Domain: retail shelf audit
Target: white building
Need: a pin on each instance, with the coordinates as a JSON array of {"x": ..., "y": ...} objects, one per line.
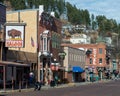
[
  {"x": 80, "y": 38},
  {"x": 74, "y": 63}
]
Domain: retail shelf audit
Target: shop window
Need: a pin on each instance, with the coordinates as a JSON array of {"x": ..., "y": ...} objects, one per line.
[{"x": 45, "y": 44}]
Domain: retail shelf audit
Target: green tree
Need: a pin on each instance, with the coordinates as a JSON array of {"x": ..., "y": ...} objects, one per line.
[
  {"x": 93, "y": 22},
  {"x": 87, "y": 17},
  {"x": 75, "y": 15},
  {"x": 101, "y": 24}
]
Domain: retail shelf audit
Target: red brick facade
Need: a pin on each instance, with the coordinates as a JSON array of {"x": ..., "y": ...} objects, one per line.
[
  {"x": 97, "y": 58},
  {"x": 49, "y": 41}
]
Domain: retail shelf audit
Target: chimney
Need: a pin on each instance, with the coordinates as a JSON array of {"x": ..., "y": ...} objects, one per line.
[{"x": 41, "y": 9}]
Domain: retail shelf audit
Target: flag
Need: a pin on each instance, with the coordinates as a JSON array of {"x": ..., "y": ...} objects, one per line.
[{"x": 32, "y": 42}]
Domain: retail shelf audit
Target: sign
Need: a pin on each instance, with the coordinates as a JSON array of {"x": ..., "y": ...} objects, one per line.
[
  {"x": 62, "y": 53},
  {"x": 14, "y": 35}
]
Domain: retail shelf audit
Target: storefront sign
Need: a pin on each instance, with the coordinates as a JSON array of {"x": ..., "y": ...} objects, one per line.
[{"x": 15, "y": 35}]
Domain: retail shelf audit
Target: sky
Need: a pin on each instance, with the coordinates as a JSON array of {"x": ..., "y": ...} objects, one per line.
[{"x": 108, "y": 8}]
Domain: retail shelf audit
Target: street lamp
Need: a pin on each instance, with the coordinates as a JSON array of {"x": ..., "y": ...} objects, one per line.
[{"x": 87, "y": 73}]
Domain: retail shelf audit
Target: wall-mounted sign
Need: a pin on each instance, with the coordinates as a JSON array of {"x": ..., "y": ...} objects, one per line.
[
  {"x": 15, "y": 35},
  {"x": 62, "y": 55}
]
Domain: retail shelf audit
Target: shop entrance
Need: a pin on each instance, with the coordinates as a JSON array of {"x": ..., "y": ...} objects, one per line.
[{"x": 77, "y": 77}]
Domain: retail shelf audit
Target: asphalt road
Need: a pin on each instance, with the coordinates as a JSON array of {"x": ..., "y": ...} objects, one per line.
[{"x": 111, "y": 88}]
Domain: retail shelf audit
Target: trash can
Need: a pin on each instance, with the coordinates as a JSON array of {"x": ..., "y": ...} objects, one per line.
[{"x": 52, "y": 83}]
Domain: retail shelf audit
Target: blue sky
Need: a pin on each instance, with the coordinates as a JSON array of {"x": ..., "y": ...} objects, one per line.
[{"x": 109, "y": 8}]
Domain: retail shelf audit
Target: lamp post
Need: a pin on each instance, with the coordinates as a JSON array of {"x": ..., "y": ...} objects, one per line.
[
  {"x": 62, "y": 55},
  {"x": 41, "y": 70},
  {"x": 87, "y": 74}
]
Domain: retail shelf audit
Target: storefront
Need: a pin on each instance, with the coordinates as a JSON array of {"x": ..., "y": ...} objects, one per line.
[
  {"x": 12, "y": 74},
  {"x": 77, "y": 74}
]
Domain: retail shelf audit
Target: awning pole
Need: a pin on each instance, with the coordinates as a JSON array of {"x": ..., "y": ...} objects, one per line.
[
  {"x": 4, "y": 80},
  {"x": 12, "y": 79}
]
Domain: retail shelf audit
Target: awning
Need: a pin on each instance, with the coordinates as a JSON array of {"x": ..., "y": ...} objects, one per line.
[
  {"x": 7, "y": 63},
  {"x": 77, "y": 69}
]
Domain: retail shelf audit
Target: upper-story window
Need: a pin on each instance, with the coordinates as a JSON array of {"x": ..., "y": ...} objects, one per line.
[
  {"x": 91, "y": 49},
  {"x": 56, "y": 40},
  {"x": 44, "y": 44},
  {"x": 100, "y": 51},
  {"x": 91, "y": 60}
]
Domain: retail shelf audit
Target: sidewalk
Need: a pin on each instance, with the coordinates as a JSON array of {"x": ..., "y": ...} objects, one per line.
[{"x": 59, "y": 86}]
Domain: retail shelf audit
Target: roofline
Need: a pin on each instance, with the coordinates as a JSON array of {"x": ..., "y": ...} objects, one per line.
[
  {"x": 2, "y": 4},
  {"x": 15, "y": 11}
]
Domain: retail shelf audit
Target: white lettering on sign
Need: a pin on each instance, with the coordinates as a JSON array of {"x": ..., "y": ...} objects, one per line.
[
  {"x": 16, "y": 43},
  {"x": 94, "y": 56}
]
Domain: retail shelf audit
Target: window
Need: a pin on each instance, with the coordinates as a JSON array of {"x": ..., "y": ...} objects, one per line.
[
  {"x": 91, "y": 60},
  {"x": 44, "y": 44},
  {"x": 100, "y": 60},
  {"x": 100, "y": 50}
]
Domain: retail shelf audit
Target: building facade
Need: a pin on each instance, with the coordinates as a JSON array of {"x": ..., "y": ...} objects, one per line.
[
  {"x": 21, "y": 43},
  {"x": 9, "y": 70},
  {"x": 41, "y": 42},
  {"x": 49, "y": 39},
  {"x": 80, "y": 39},
  {"x": 74, "y": 64},
  {"x": 96, "y": 57},
  {"x": 2, "y": 22}
]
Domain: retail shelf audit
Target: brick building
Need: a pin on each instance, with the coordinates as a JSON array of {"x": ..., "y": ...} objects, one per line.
[
  {"x": 49, "y": 39},
  {"x": 95, "y": 55}
]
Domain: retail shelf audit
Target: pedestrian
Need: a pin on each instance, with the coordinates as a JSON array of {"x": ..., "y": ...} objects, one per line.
[
  {"x": 31, "y": 78},
  {"x": 56, "y": 80},
  {"x": 38, "y": 86},
  {"x": 116, "y": 74},
  {"x": 52, "y": 83}
]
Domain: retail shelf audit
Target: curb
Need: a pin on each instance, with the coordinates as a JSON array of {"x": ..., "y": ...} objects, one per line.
[{"x": 59, "y": 86}]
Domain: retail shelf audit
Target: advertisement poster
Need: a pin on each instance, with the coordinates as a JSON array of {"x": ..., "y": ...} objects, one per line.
[{"x": 14, "y": 36}]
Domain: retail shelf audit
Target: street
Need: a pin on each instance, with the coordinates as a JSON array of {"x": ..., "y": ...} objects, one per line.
[{"x": 96, "y": 89}]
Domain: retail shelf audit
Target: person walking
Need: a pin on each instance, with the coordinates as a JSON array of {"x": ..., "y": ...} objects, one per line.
[
  {"x": 116, "y": 75},
  {"x": 38, "y": 86}
]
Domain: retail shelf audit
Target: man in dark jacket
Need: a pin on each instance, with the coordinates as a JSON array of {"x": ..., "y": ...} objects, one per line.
[{"x": 38, "y": 86}]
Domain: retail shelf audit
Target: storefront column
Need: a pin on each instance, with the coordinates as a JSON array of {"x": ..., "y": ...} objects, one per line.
[
  {"x": 46, "y": 74},
  {"x": 12, "y": 77},
  {"x": 39, "y": 67},
  {"x": 4, "y": 77}
]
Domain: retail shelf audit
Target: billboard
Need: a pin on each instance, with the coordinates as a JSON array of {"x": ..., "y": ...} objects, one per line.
[{"x": 14, "y": 35}]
